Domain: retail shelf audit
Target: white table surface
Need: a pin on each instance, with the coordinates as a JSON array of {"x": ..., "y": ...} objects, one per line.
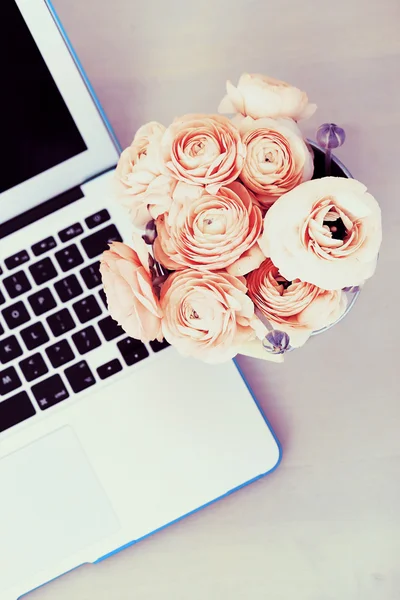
[{"x": 326, "y": 524}]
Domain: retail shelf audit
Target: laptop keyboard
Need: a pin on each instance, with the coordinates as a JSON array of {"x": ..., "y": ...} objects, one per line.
[{"x": 53, "y": 316}]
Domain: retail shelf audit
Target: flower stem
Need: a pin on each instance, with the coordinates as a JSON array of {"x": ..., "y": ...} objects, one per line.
[
  {"x": 263, "y": 319},
  {"x": 328, "y": 157}
]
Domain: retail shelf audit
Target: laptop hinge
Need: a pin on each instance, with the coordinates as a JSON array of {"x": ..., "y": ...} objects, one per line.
[{"x": 42, "y": 210}]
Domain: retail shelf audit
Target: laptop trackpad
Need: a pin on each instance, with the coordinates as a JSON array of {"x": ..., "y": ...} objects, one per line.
[{"x": 54, "y": 508}]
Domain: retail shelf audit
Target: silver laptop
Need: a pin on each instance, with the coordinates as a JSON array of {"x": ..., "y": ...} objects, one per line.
[{"x": 103, "y": 440}]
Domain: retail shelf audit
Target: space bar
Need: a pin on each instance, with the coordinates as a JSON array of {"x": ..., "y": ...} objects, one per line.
[{"x": 14, "y": 410}]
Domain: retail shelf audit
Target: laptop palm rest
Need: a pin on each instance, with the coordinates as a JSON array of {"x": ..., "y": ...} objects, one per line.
[{"x": 55, "y": 484}]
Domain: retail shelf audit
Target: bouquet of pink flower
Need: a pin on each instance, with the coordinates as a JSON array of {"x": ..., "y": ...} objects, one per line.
[{"x": 242, "y": 251}]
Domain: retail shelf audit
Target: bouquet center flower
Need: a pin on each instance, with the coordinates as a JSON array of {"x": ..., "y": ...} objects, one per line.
[
  {"x": 329, "y": 231},
  {"x": 283, "y": 283},
  {"x": 213, "y": 222}
]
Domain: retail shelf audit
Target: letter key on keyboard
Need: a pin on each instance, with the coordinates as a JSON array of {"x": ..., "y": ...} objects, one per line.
[
  {"x": 42, "y": 301},
  {"x": 9, "y": 381},
  {"x": 15, "y": 315},
  {"x": 35, "y": 335},
  {"x": 9, "y": 349}
]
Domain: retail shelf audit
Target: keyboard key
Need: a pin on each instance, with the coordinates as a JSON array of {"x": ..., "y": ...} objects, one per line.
[
  {"x": 43, "y": 271},
  {"x": 15, "y": 410},
  {"x": 70, "y": 232},
  {"x": 15, "y": 315},
  {"x": 156, "y": 346},
  {"x": 103, "y": 297},
  {"x": 9, "y": 381},
  {"x": 44, "y": 246},
  {"x": 98, "y": 218},
  {"x": 110, "y": 368},
  {"x": 9, "y": 349},
  {"x": 91, "y": 275},
  {"x": 2, "y": 299},
  {"x": 17, "y": 284},
  {"x": 33, "y": 367},
  {"x": 1, "y": 329},
  {"x": 87, "y": 309},
  {"x": 60, "y": 353},
  {"x": 96, "y": 243},
  {"x": 132, "y": 350},
  {"x": 110, "y": 328},
  {"x": 49, "y": 392},
  {"x": 69, "y": 257},
  {"x": 68, "y": 288},
  {"x": 86, "y": 340},
  {"x": 35, "y": 335},
  {"x": 80, "y": 377},
  {"x": 60, "y": 322},
  {"x": 41, "y": 302},
  {"x": 14, "y": 261}
]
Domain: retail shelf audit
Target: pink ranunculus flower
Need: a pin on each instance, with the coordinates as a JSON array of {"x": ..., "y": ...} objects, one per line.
[
  {"x": 258, "y": 96},
  {"x": 207, "y": 315},
  {"x": 295, "y": 307},
  {"x": 326, "y": 232},
  {"x": 131, "y": 299},
  {"x": 277, "y": 157},
  {"x": 216, "y": 231},
  {"x": 140, "y": 185},
  {"x": 203, "y": 150}
]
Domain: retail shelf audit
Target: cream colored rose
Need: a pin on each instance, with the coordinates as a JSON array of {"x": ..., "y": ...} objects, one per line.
[
  {"x": 259, "y": 96},
  {"x": 325, "y": 231},
  {"x": 277, "y": 158},
  {"x": 295, "y": 307},
  {"x": 202, "y": 150},
  {"x": 211, "y": 233},
  {"x": 140, "y": 185},
  {"x": 146, "y": 135},
  {"x": 131, "y": 299},
  {"x": 207, "y": 315}
]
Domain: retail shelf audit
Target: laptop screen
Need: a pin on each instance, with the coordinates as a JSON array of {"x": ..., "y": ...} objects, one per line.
[{"x": 37, "y": 131}]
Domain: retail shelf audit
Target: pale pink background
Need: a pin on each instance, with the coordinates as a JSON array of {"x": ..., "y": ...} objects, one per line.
[{"x": 326, "y": 525}]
